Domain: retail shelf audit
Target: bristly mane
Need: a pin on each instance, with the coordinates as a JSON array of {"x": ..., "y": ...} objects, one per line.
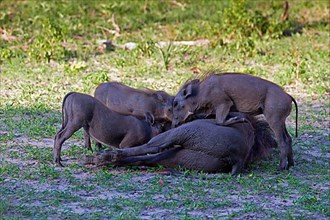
[
  {"x": 203, "y": 75},
  {"x": 210, "y": 72},
  {"x": 264, "y": 139},
  {"x": 148, "y": 91},
  {"x": 194, "y": 81}
]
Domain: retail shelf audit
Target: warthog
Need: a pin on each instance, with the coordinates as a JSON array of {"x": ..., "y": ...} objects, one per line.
[
  {"x": 200, "y": 145},
  {"x": 129, "y": 101},
  {"x": 101, "y": 123},
  {"x": 221, "y": 93}
]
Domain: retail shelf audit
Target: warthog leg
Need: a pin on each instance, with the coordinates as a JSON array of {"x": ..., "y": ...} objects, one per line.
[
  {"x": 237, "y": 167},
  {"x": 88, "y": 160},
  {"x": 221, "y": 112},
  {"x": 87, "y": 141},
  {"x": 64, "y": 134},
  {"x": 276, "y": 119},
  {"x": 234, "y": 120},
  {"x": 157, "y": 144},
  {"x": 88, "y": 144},
  {"x": 101, "y": 158}
]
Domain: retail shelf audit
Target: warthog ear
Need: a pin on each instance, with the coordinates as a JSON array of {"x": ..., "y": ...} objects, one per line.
[
  {"x": 149, "y": 118},
  {"x": 187, "y": 91}
]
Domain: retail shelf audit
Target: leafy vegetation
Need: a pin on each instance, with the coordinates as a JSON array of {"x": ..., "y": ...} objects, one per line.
[{"x": 49, "y": 48}]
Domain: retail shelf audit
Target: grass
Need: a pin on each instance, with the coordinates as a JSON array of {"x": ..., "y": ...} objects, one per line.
[{"x": 49, "y": 48}]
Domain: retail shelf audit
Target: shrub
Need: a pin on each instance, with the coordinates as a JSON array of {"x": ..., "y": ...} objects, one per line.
[
  {"x": 48, "y": 43},
  {"x": 242, "y": 25}
]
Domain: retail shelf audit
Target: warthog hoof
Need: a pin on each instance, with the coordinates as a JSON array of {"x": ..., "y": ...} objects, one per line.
[
  {"x": 284, "y": 165},
  {"x": 101, "y": 158},
  {"x": 58, "y": 162},
  {"x": 88, "y": 160}
]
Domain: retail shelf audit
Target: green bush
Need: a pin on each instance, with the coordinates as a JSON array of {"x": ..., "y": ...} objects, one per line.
[
  {"x": 48, "y": 43},
  {"x": 242, "y": 26}
]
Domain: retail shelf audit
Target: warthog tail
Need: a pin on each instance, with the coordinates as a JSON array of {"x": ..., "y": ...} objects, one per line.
[
  {"x": 64, "y": 119},
  {"x": 296, "y": 105}
]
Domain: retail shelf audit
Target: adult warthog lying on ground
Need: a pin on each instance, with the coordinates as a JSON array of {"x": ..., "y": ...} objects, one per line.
[
  {"x": 101, "y": 123},
  {"x": 200, "y": 145},
  {"x": 221, "y": 93},
  {"x": 129, "y": 101}
]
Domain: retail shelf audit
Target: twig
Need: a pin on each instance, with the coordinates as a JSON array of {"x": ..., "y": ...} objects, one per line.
[
  {"x": 117, "y": 28},
  {"x": 108, "y": 30},
  {"x": 116, "y": 32},
  {"x": 285, "y": 15},
  {"x": 145, "y": 6}
]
